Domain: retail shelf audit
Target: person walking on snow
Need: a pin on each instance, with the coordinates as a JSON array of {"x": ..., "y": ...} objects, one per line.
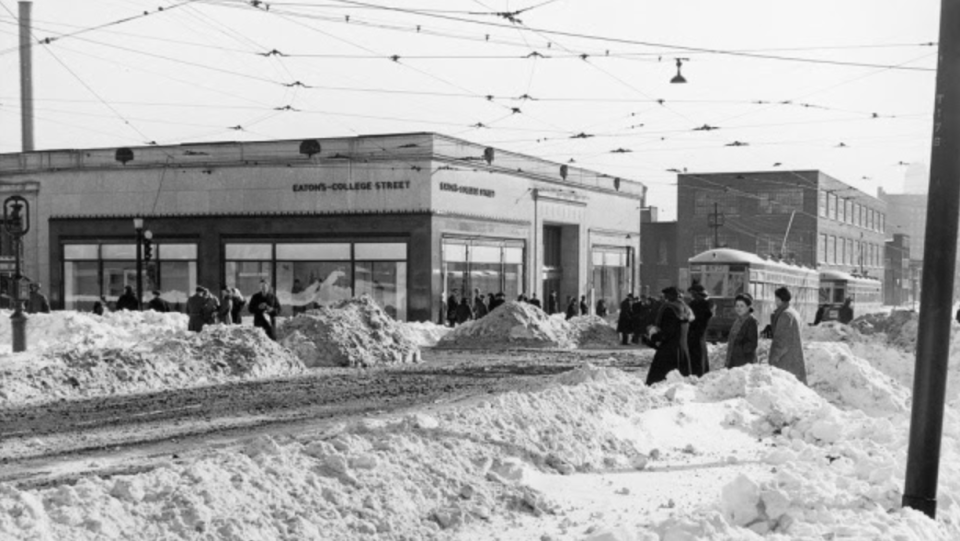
[
  {"x": 669, "y": 336},
  {"x": 265, "y": 307},
  {"x": 786, "y": 349},
  {"x": 702, "y": 309}
]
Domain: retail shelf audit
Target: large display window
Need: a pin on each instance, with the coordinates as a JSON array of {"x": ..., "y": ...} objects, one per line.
[
  {"x": 490, "y": 265},
  {"x": 309, "y": 275},
  {"x": 92, "y": 271},
  {"x": 611, "y": 274}
]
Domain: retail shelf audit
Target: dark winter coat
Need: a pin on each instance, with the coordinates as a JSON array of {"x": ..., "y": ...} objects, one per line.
[
  {"x": 237, "y": 308},
  {"x": 38, "y": 303},
  {"x": 452, "y": 309},
  {"x": 158, "y": 305},
  {"x": 584, "y": 309},
  {"x": 195, "y": 309},
  {"x": 697, "y": 336},
  {"x": 601, "y": 308},
  {"x": 671, "y": 343},
  {"x": 742, "y": 343},
  {"x": 639, "y": 317},
  {"x": 572, "y": 309},
  {"x": 479, "y": 307},
  {"x": 625, "y": 319},
  {"x": 128, "y": 301},
  {"x": 846, "y": 314},
  {"x": 553, "y": 304},
  {"x": 464, "y": 313},
  {"x": 265, "y": 317}
]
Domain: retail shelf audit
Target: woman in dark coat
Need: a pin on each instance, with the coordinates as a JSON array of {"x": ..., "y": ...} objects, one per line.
[
  {"x": 464, "y": 312},
  {"x": 702, "y": 309},
  {"x": 744, "y": 334},
  {"x": 572, "y": 308},
  {"x": 625, "y": 319},
  {"x": 670, "y": 338},
  {"x": 602, "y": 308}
]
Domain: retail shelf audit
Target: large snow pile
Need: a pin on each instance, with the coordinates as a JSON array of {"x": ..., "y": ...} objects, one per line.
[
  {"x": 424, "y": 334},
  {"x": 899, "y": 327},
  {"x": 510, "y": 325},
  {"x": 352, "y": 332},
  {"x": 97, "y": 358},
  {"x": 780, "y": 461},
  {"x": 851, "y": 382},
  {"x": 593, "y": 332},
  {"x": 832, "y": 331},
  {"x": 86, "y": 329}
]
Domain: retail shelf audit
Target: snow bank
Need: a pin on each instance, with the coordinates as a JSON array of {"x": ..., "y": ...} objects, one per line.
[
  {"x": 424, "y": 334},
  {"x": 517, "y": 324},
  {"x": 352, "y": 332},
  {"x": 102, "y": 362}
]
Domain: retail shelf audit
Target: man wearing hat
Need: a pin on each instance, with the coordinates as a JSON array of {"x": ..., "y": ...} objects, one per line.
[
  {"x": 157, "y": 304},
  {"x": 37, "y": 303},
  {"x": 702, "y": 308},
  {"x": 195, "y": 309},
  {"x": 264, "y": 306}
]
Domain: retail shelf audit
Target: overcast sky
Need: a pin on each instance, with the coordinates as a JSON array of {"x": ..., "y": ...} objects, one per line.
[{"x": 583, "y": 80}]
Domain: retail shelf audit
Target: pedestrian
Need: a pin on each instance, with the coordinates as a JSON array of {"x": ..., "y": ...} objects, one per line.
[
  {"x": 786, "y": 350},
  {"x": 584, "y": 307},
  {"x": 572, "y": 307},
  {"x": 265, "y": 307},
  {"x": 498, "y": 300},
  {"x": 624, "y": 319},
  {"x": 553, "y": 303},
  {"x": 195, "y": 306},
  {"x": 702, "y": 308},
  {"x": 464, "y": 312},
  {"x": 37, "y": 302},
  {"x": 225, "y": 310},
  {"x": 535, "y": 301},
  {"x": 638, "y": 319},
  {"x": 602, "y": 308},
  {"x": 98, "y": 308},
  {"x": 157, "y": 304},
  {"x": 818, "y": 317},
  {"x": 669, "y": 336},
  {"x": 452, "y": 309},
  {"x": 479, "y": 306},
  {"x": 743, "y": 337},
  {"x": 211, "y": 307},
  {"x": 128, "y": 301},
  {"x": 846, "y": 311},
  {"x": 238, "y": 303},
  {"x": 490, "y": 303}
]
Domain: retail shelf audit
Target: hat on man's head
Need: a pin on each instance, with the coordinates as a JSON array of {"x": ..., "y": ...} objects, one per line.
[
  {"x": 200, "y": 289},
  {"x": 156, "y": 292},
  {"x": 671, "y": 291},
  {"x": 698, "y": 289}
]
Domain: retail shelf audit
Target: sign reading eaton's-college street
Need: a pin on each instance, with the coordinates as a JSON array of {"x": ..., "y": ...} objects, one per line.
[{"x": 352, "y": 186}]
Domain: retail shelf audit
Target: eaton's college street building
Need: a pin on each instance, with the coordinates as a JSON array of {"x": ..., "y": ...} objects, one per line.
[{"x": 408, "y": 219}]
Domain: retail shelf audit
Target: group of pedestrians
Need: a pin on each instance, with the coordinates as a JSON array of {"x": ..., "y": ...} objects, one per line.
[
  {"x": 678, "y": 333},
  {"x": 458, "y": 311}
]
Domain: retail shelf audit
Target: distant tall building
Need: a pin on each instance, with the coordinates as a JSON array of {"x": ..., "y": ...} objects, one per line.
[
  {"x": 917, "y": 178},
  {"x": 807, "y": 217}
]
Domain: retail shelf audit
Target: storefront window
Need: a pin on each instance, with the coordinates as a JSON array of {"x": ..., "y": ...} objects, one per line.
[
  {"x": 246, "y": 275},
  {"x": 386, "y": 282},
  {"x": 490, "y": 265},
  {"x": 611, "y": 275},
  {"x": 94, "y": 270}
]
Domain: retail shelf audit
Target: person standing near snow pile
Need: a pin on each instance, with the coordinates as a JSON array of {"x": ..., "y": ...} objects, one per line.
[
  {"x": 128, "y": 301},
  {"x": 846, "y": 312},
  {"x": 264, "y": 306},
  {"x": 37, "y": 303},
  {"x": 669, "y": 336},
  {"x": 625, "y": 319},
  {"x": 584, "y": 308},
  {"x": 225, "y": 310},
  {"x": 210, "y": 307},
  {"x": 195, "y": 305},
  {"x": 786, "y": 350},
  {"x": 464, "y": 312},
  {"x": 237, "y": 306},
  {"x": 743, "y": 338},
  {"x": 702, "y": 308},
  {"x": 157, "y": 304}
]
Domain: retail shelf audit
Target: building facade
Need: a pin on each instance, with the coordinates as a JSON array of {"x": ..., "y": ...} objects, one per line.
[
  {"x": 659, "y": 265},
  {"x": 899, "y": 284},
  {"x": 804, "y": 217},
  {"x": 408, "y": 219}
]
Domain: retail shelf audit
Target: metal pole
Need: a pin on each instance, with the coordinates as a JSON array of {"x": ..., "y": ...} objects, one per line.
[
  {"x": 139, "y": 269},
  {"x": 716, "y": 225},
  {"x": 26, "y": 78},
  {"x": 18, "y": 320},
  {"x": 943, "y": 212}
]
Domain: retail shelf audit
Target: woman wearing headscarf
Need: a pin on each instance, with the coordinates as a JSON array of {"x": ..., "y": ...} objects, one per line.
[
  {"x": 744, "y": 335},
  {"x": 669, "y": 336}
]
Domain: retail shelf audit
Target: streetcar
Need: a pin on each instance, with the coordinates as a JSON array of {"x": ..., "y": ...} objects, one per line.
[
  {"x": 726, "y": 273},
  {"x": 836, "y": 286}
]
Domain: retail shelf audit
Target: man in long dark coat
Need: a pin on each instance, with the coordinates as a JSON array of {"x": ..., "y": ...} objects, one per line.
[
  {"x": 625, "y": 319},
  {"x": 670, "y": 338},
  {"x": 264, "y": 306},
  {"x": 702, "y": 308}
]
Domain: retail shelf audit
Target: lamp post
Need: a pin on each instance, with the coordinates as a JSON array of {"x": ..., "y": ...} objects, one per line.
[
  {"x": 138, "y": 225},
  {"x": 16, "y": 220}
]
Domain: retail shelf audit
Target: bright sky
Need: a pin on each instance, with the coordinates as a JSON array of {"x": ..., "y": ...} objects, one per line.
[{"x": 195, "y": 72}]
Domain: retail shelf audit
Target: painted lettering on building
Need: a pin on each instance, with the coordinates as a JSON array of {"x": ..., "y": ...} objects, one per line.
[
  {"x": 468, "y": 190},
  {"x": 352, "y": 186}
]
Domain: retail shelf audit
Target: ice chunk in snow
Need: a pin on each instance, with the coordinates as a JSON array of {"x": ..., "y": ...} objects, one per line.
[{"x": 740, "y": 499}]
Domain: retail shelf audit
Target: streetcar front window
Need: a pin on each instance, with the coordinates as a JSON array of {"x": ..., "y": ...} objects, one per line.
[
  {"x": 735, "y": 284},
  {"x": 713, "y": 282},
  {"x": 839, "y": 294}
]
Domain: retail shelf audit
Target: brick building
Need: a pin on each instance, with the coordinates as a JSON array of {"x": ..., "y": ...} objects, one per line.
[{"x": 806, "y": 217}]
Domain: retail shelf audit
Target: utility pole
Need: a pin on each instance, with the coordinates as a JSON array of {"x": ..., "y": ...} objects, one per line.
[
  {"x": 943, "y": 212},
  {"x": 715, "y": 221},
  {"x": 26, "y": 78}
]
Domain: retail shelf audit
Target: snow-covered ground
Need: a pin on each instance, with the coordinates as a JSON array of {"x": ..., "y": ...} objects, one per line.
[{"x": 596, "y": 455}]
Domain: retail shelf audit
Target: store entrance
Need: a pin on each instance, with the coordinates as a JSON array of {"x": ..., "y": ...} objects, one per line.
[{"x": 552, "y": 268}]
